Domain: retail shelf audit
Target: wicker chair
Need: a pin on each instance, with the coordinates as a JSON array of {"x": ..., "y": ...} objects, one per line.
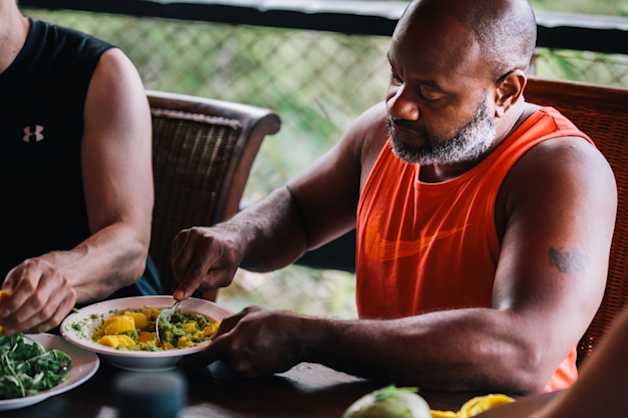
[
  {"x": 603, "y": 114},
  {"x": 203, "y": 151}
]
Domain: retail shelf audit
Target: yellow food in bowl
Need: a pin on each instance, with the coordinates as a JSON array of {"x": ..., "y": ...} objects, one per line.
[{"x": 134, "y": 330}]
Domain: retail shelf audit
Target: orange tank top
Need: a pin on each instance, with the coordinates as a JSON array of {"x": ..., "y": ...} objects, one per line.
[{"x": 424, "y": 247}]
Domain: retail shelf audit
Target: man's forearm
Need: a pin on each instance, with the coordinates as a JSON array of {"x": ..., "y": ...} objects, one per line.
[
  {"x": 272, "y": 232},
  {"x": 111, "y": 258},
  {"x": 467, "y": 349}
]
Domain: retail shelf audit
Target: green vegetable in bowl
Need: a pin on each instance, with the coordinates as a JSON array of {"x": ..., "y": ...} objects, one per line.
[
  {"x": 390, "y": 402},
  {"x": 26, "y": 368}
]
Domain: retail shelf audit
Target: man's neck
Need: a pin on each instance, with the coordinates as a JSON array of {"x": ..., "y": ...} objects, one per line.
[
  {"x": 505, "y": 126},
  {"x": 13, "y": 31}
]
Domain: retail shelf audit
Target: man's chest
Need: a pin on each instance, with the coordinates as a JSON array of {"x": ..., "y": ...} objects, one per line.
[{"x": 36, "y": 127}]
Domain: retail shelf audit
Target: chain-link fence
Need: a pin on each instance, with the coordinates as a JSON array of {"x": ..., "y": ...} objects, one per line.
[{"x": 317, "y": 81}]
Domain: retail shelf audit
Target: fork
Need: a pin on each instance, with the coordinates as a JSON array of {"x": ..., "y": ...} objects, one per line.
[{"x": 166, "y": 314}]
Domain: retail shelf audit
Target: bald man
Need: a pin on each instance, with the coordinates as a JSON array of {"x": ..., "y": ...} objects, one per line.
[{"x": 484, "y": 223}]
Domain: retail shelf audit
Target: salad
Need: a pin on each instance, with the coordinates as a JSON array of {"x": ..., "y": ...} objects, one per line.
[{"x": 26, "y": 368}]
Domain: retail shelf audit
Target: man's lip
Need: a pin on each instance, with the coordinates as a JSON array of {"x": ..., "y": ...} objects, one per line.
[
  {"x": 407, "y": 135},
  {"x": 404, "y": 129}
]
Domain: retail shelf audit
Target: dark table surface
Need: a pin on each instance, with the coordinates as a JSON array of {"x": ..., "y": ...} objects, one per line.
[{"x": 308, "y": 391}]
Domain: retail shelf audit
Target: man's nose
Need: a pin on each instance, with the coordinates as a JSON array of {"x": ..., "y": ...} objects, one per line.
[{"x": 403, "y": 106}]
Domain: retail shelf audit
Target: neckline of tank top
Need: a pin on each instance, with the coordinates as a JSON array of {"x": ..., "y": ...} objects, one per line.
[
  {"x": 486, "y": 162},
  {"x": 34, "y": 30}
]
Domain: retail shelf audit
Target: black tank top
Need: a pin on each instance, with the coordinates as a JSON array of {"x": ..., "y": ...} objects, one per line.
[{"x": 42, "y": 99}]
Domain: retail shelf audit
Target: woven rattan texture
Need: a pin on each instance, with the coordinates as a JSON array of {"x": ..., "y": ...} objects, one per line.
[
  {"x": 605, "y": 120},
  {"x": 191, "y": 164}
]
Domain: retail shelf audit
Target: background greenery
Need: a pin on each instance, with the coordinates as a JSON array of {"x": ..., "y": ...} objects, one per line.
[{"x": 318, "y": 82}]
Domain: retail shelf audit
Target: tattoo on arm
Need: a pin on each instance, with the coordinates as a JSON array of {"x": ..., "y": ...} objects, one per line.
[{"x": 567, "y": 261}]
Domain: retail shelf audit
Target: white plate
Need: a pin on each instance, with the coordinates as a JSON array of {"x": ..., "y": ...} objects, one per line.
[
  {"x": 84, "y": 365},
  {"x": 89, "y": 318}
]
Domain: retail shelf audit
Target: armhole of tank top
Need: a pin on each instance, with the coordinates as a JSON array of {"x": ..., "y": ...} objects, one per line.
[
  {"x": 495, "y": 242},
  {"x": 369, "y": 180}
]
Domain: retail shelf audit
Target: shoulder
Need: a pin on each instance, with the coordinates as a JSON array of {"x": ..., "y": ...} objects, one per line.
[
  {"x": 114, "y": 67},
  {"x": 566, "y": 168},
  {"x": 368, "y": 133},
  {"x": 115, "y": 78},
  {"x": 116, "y": 99}
]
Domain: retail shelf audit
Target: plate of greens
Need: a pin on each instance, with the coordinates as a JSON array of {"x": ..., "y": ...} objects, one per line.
[{"x": 37, "y": 366}]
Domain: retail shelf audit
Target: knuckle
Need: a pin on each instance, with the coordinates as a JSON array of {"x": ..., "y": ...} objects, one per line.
[
  {"x": 55, "y": 320},
  {"x": 48, "y": 311},
  {"x": 37, "y": 302},
  {"x": 29, "y": 285}
]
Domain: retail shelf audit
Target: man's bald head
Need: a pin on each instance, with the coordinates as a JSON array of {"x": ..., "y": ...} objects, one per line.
[{"x": 505, "y": 30}]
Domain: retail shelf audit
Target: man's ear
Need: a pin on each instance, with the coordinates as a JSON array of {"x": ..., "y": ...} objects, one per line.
[{"x": 509, "y": 89}]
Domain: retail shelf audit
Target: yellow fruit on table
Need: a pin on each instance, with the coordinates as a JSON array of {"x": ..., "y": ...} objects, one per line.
[
  {"x": 481, "y": 404},
  {"x": 444, "y": 414},
  {"x": 119, "y": 324},
  {"x": 474, "y": 406},
  {"x": 140, "y": 319}
]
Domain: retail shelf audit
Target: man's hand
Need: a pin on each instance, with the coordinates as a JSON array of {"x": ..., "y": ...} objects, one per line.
[
  {"x": 41, "y": 296},
  {"x": 258, "y": 342},
  {"x": 205, "y": 258}
]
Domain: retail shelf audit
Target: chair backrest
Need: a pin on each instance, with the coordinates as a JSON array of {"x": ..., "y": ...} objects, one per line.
[
  {"x": 602, "y": 113},
  {"x": 203, "y": 151}
]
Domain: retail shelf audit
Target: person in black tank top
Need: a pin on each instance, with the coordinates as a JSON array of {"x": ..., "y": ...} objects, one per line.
[{"x": 75, "y": 173}]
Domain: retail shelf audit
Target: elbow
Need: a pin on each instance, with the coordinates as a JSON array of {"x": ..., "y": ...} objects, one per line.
[
  {"x": 138, "y": 265},
  {"x": 523, "y": 371},
  {"x": 135, "y": 258},
  {"x": 530, "y": 376}
]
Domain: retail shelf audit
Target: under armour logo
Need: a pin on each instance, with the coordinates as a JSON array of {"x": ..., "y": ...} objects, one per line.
[{"x": 33, "y": 133}]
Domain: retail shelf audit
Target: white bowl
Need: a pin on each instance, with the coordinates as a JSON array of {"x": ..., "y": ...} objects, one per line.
[{"x": 89, "y": 318}]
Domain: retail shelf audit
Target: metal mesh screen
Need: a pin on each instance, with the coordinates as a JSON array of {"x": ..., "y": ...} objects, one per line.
[{"x": 317, "y": 81}]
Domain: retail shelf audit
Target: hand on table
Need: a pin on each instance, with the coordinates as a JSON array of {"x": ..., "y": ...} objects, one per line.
[
  {"x": 40, "y": 297},
  {"x": 205, "y": 259},
  {"x": 258, "y": 342}
]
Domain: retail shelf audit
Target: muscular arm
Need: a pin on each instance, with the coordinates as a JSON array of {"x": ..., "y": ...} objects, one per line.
[
  {"x": 117, "y": 176},
  {"x": 311, "y": 210},
  {"x": 549, "y": 283},
  {"x": 117, "y": 180}
]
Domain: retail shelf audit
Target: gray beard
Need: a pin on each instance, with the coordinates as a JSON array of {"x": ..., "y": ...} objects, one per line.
[{"x": 469, "y": 144}]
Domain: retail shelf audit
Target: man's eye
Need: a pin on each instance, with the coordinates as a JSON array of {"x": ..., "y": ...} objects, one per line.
[{"x": 430, "y": 94}]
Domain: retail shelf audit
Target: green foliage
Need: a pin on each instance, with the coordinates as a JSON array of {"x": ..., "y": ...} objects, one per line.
[
  {"x": 318, "y": 82},
  {"x": 26, "y": 368},
  {"x": 604, "y": 7}
]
